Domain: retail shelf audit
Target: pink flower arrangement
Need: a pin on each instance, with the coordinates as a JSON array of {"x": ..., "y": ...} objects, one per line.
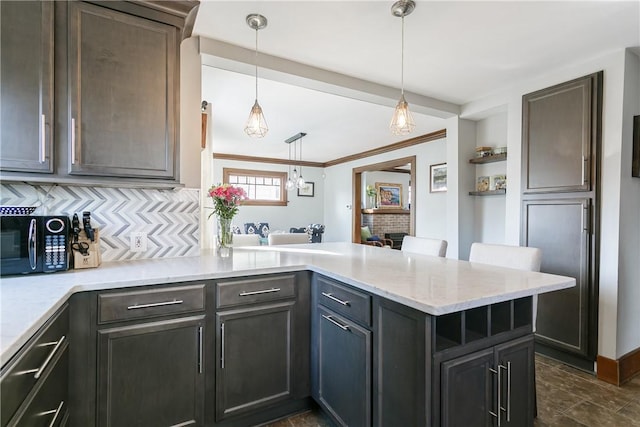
[{"x": 226, "y": 199}]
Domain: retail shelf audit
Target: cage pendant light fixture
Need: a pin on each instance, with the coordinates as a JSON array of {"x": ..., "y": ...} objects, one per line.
[
  {"x": 256, "y": 126},
  {"x": 402, "y": 121}
]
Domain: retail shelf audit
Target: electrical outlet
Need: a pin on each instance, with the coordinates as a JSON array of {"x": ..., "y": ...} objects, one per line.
[{"x": 138, "y": 241}]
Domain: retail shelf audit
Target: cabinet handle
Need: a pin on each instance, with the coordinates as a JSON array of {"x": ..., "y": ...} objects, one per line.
[
  {"x": 73, "y": 141},
  {"x": 499, "y": 399},
  {"x": 154, "y": 304},
  {"x": 200, "y": 349},
  {"x": 33, "y": 244},
  {"x": 43, "y": 137},
  {"x": 332, "y": 298},
  {"x": 42, "y": 367},
  {"x": 585, "y": 162},
  {"x": 55, "y": 412},
  {"x": 222, "y": 346},
  {"x": 508, "y": 369},
  {"x": 265, "y": 291},
  {"x": 330, "y": 319},
  {"x": 586, "y": 220}
]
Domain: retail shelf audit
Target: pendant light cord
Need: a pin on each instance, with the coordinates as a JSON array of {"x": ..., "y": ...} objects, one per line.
[
  {"x": 401, "y": 60},
  {"x": 256, "y": 63}
]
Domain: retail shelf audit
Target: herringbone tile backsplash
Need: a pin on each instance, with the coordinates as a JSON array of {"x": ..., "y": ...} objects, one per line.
[{"x": 171, "y": 218}]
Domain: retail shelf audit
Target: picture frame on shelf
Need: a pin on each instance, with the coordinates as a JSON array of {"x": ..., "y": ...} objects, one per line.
[
  {"x": 483, "y": 183},
  {"x": 498, "y": 182},
  {"x": 389, "y": 195},
  {"x": 438, "y": 178},
  {"x": 307, "y": 190}
]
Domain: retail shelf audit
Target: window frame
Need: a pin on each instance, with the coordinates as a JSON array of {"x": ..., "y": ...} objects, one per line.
[{"x": 226, "y": 172}]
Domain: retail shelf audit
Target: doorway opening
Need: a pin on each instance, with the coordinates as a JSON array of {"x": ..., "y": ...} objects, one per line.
[{"x": 405, "y": 165}]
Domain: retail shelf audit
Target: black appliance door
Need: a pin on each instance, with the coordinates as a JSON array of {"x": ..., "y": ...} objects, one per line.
[{"x": 20, "y": 240}]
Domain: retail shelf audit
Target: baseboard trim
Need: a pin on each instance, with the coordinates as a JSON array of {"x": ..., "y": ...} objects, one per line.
[{"x": 619, "y": 371}]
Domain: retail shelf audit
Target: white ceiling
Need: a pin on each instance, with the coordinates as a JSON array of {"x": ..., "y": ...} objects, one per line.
[{"x": 454, "y": 51}]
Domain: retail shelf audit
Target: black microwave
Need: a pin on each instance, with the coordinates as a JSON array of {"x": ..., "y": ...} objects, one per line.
[{"x": 34, "y": 244}]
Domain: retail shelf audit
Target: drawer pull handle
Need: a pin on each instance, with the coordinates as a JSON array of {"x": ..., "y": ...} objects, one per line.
[
  {"x": 338, "y": 300},
  {"x": 265, "y": 291},
  {"x": 154, "y": 304},
  {"x": 330, "y": 319},
  {"x": 48, "y": 359},
  {"x": 55, "y": 412}
]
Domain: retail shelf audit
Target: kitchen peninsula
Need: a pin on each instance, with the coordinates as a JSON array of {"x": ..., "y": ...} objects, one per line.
[{"x": 394, "y": 333}]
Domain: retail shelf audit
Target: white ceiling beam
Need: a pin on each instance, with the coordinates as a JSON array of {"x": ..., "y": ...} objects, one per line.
[{"x": 230, "y": 57}]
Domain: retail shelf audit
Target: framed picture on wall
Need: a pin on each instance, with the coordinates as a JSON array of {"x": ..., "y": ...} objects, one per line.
[
  {"x": 307, "y": 190},
  {"x": 389, "y": 195},
  {"x": 438, "y": 181},
  {"x": 635, "y": 165}
]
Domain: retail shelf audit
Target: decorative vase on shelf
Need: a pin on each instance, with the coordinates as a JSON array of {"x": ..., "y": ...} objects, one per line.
[
  {"x": 371, "y": 201},
  {"x": 225, "y": 237}
]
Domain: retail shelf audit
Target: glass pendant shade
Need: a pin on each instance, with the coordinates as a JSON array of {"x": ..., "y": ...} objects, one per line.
[
  {"x": 300, "y": 182},
  {"x": 289, "y": 184},
  {"x": 256, "y": 126},
  {"x": 402, "y": 121}
]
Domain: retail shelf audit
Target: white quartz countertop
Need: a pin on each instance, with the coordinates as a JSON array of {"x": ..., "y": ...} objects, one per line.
[{"x": 433, "y": 285}]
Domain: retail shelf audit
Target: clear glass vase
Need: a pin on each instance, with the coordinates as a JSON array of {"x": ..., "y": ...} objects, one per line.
[{"x": 225, "y": 237}]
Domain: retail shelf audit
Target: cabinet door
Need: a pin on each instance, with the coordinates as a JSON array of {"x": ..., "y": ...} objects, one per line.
[
  {"x": 26, "y": 73},
  {"x": 344, "y": 369},
  {"x": 254, "y": 358},
  {"x": 151, "y": 374},
  {"x": 517, "y": 388},
  {"x": 400, "y": 366},
  {"x": 560, "y": 228},
  {"x": 123, "y": 80},
  {"x": 559, "y": 128},
  {"x": 467, "y": 389}
]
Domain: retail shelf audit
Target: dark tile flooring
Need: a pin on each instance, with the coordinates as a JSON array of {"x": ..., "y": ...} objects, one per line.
[{"x": 567, "y": 397}]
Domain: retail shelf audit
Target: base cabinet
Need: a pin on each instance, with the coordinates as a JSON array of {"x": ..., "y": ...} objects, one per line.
[
  {"x": 255, "y": 357},
  {"x": 491, "y": 387},
  {"x": 344, "y": 369},
  {"x": 151, "y": 374}
]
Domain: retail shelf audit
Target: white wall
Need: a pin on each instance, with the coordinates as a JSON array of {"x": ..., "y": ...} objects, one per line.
[
  {"x": 431, "y": 218},
  {"x": 300, "y": 211},
  {"x": 628, "y": 333},
  {"x": 489, "y": 221},
  {"x": 190, "y": 99}
]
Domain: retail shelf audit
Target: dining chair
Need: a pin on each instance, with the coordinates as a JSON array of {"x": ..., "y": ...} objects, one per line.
[
  {"x": 287, "y": 238},
  {"x": 246, "y": 240},
  {"x": 424, "y": 246},
  {"x": 518, "y": 257}
]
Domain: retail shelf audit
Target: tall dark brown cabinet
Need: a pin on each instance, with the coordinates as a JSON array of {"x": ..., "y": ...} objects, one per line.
[{"x": 561, "y": 139}]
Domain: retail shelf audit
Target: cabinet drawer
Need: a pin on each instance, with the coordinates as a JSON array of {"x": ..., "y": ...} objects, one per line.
[
  {"x": 17, "y": 380},
  {"x": 49, "y": 404},
  {"x": 349, "y": 302},
  {"x": 250, "y": 291},
  {"x": 150, "y": 303}
]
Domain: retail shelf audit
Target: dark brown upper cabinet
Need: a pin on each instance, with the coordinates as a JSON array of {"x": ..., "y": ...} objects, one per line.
[
  {"x": 559, "y": 130},
  {"x": 26, "y": 104},
  {"x": 123, "y": 87}
]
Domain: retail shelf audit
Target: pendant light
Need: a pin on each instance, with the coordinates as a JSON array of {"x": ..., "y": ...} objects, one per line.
[
  {"x": 290, "y": 183},
  {"x": 402, "y": 121},
  {"x": 256, "y": 126},
  {"x": 295, "y": 179}
]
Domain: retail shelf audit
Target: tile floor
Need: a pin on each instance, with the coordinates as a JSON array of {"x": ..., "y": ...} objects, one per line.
[{"x": 567, "y": 397}]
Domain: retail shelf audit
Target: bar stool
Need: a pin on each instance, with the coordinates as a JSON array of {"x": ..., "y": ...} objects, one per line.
[{"x": 424, "y": 245}]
